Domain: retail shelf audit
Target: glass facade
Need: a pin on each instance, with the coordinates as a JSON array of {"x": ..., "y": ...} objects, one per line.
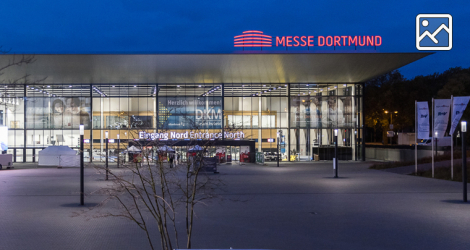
[{"x": 301, "y": 118}]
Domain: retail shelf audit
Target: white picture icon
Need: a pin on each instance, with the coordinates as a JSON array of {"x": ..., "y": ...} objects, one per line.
[{"x": 434, "y": 32}]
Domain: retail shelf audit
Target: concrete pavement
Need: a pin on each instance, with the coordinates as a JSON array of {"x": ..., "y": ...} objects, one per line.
[{"x": 296, "y": 206}]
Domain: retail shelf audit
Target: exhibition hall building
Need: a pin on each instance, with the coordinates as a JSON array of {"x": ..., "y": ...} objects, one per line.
[{"x": 244, "y": 102}]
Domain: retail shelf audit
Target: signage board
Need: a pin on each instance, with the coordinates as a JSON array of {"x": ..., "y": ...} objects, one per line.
[
  {"x": 190, "y": 112},
  {"x": 259, "y": 157},
  {"x": 441, "y": 116},
  {"x": 190, "y": 135},
  {"x": 256, "y": 38},
  {"x": 422, "y": 120}
]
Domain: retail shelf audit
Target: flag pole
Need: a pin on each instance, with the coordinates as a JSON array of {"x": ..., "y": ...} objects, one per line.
[
  {"x": 416, "y": 137},
  {"x": 432, "y": 138},
  {"x": 451, "y": 139}
]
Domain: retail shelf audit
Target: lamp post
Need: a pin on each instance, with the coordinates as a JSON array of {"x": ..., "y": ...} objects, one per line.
[
  {"x": 335, "y": 162},
  {"x": 82, "y": 169},
  {"x": 463, "y": 127},
  {"x": 118, "y": 141},
  {"x": 435, "y": 133},
  {"x": 106, "y": 135},
  {"x": 391, "y": 122}
]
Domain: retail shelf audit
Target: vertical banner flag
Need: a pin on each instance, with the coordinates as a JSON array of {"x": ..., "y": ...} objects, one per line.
[
  {"x": 423, "y": 120},
  {"x": 441, "y": 116},
  {"x": 458, "y": 107}
]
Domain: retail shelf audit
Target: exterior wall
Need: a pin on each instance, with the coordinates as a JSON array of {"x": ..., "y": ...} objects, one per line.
[{"x": 307, "y": 114}]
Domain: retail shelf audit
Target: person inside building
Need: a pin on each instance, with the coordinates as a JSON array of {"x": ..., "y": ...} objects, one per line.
[{"x": 172, "y": 158}]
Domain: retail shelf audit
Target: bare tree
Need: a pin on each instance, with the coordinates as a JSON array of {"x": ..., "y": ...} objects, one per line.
[
  {"x": 16, "y": 61},
  {"x": 149, "y": 191}
]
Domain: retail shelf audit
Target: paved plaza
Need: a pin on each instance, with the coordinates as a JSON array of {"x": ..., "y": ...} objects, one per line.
[{"x": 295, "y": 206}]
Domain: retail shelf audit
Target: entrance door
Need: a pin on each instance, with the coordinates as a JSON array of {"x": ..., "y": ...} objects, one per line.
[
  {"x": 235, "y": 153},
  {"x": 228, "y": 154},
  {"x": 29, "y": 155},
  {"x": 182, "y": 153}
]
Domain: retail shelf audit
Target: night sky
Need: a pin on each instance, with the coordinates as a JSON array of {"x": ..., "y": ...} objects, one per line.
[{"x": 143, "y": 26}]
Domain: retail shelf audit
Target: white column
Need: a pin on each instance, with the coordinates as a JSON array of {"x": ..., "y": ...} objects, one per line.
[
  {"x": 102, "y": 123},
  {"x": 154, "y": 113},
  {"x": 354, "y": 123},
  {"x": 259, "y": 124}
]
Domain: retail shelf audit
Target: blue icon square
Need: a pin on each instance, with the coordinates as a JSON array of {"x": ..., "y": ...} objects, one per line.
[{"x": 434, "y": 32}]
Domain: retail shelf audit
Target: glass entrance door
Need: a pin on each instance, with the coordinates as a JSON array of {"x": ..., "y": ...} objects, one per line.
[
  {"x": 235, "y": 153},
  {"x": 181, "y": 151}
]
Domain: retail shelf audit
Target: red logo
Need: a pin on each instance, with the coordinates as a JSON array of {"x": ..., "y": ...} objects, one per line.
[{"x": 253, "y": 38}]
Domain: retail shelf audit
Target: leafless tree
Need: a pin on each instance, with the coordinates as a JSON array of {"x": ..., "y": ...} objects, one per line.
[
  {"x": 148, "y": 191},
  {"x": 12, "y": 61}
]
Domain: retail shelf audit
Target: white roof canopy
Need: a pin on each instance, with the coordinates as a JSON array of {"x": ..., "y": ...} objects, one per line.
[{"x": 211, "y": 68}]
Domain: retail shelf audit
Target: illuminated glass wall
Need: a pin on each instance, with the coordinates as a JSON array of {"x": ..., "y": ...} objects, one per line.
[{"x": 301, "y": 118}]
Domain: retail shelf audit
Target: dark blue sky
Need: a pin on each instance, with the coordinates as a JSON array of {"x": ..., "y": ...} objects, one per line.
[{"x": 143, "y": 26}]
